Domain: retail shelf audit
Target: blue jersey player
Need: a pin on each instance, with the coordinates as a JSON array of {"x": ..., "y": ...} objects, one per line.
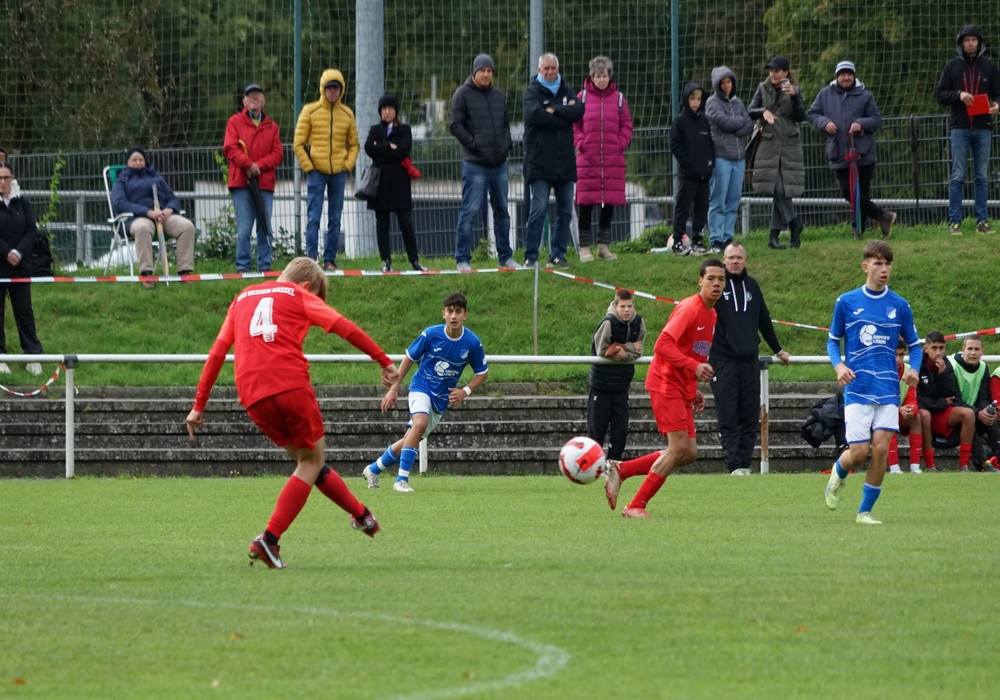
[
  {"x": 870, "y": 321},
  {"x": 442, "y": 354}
]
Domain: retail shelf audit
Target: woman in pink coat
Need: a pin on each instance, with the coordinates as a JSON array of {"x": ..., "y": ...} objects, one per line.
[{"x": 601, "y": 139}]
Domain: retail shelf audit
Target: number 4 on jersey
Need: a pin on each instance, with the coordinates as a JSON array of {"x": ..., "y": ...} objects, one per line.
[{"x": 262, "y": 322}]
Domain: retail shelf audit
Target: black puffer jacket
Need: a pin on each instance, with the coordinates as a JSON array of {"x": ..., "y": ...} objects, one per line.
[
  {"x": 976, "y": 75},
  {"x": 479, "y": 121},
  {"x": 549, "y": 151}
]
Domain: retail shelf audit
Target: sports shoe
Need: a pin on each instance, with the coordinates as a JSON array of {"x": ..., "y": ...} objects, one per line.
[
  {"x": 833, "y": 489},
  {"x": 680, "y": 250},
  {"x": 562, "y": 263},
  {"x": 867, "y": 519},
  {"x": 4, "y": 369},
  {"x": 964, "y": 470},
  {"x": 262, "y": 551},
  {"x": 984, "y": 227},
  {"x": 511, "y": 263},
  {"x": 698, "y": 249},
  {"x": 955, "y": 229},
  {"x": 635, "y": 513},
  {"x": 386, "y": 266},
  {"x": 366, "y": 523},
  {"x": 371, "y": 476},
  {"x": 716, "y": 249},
  {"x": 742, "y": 471},
  {"x": 894, "y": 469},
  {"x": 33, "y": 368},
  {"x": 612, "y": 482},
  {"x": 915, "y": 469},
  {"x": 885, "y": 223},
  {"x": 530, "y": 264},
  {"x": 463, "y": 267},
  {"x": 402, "y": 487},
  {"x": 933, "y": 470},
  {"x": 418, "y": 267}
]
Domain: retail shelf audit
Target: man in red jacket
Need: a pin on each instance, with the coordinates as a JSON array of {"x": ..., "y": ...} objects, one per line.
[{"x": 253, "y": 148}]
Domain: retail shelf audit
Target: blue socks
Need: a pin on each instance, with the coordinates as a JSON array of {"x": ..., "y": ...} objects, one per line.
[
  {"x": 869, "y": 494},
  {"x": 406, "y": 460},
  {"x": 387, "y": 459},
  {"x": 839, "y": 469}
]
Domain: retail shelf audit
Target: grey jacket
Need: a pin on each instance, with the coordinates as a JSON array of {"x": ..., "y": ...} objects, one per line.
[
  {"x": 843, "y": 108},
  {"x": 730, "y": 121}
]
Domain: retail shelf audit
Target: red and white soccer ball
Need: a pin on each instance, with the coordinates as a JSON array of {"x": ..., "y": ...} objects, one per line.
[
  {"x": 581, "y": 460},
  {"x": 685, "y": 242}
]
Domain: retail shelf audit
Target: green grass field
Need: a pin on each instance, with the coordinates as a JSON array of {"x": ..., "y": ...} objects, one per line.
[{"x": 525, "y": 587}]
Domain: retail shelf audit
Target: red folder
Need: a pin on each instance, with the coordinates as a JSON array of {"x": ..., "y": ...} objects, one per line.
[{"x": 980, "y": 105}]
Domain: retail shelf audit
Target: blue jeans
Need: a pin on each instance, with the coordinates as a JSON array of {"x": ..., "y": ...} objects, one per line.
[
  {"x": 962, "y": 141},
  {"x": 477, "y": 181},
  {"x": 536, "y": 217},
  {"x": 724, "y": 199},
  {"x": 333, "y": 185},
  {"x": 246, "y": 219}
]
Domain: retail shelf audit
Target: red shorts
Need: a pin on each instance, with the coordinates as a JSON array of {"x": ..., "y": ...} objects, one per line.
[
  {"x": 939, "y": 423},
  {"x": 290, "y": 418},
  {"x": 673, "y": 414}
]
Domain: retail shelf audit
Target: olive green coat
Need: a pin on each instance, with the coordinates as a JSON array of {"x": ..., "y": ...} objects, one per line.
[{"x": 781, "y": 144}]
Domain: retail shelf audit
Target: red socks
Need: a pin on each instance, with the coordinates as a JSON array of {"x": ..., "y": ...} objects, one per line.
[
  {"x": 916, "y": 448},
  {"x": 638, "y": 466},
  {"x": 964, "y": 453},
  {"x": 929, "y": 457},
  {"x": 650, "y": 485},
  {"x": 291, "y": 500},
  {"x": 893, "y": 452},
  {"x": 331, "y": 485}
]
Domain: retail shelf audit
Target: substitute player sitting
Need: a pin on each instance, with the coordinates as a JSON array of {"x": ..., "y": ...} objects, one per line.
[
  {"x": 442, "y": 353},
  {"x": 267, "y": 323},
  {"x": 912, "y": 421}
]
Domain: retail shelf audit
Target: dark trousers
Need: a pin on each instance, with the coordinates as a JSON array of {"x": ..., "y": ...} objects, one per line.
[
  {"x": 865, "y": 174},
  {"x": 608, "y": 408},
  {"x": 692, "y": 198},
  {"x": 405, "y": 219},
  {"x": 24, "y": 317},
  {"x": 736, "y": 388},
  {"x": 603, "y": 223}
]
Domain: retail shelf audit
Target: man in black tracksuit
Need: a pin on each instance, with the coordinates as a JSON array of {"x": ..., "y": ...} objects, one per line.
[{"x": 742, "y": 314}]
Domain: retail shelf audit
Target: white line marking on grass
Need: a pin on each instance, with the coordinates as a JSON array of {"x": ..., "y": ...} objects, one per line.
[{"x": 551, "y": 659}]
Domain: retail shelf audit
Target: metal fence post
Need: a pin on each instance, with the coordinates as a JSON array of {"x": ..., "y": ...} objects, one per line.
[{"x": 69, "y": 362}]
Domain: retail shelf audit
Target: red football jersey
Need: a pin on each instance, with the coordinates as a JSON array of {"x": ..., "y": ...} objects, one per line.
[{"x": 683, "y": 344}]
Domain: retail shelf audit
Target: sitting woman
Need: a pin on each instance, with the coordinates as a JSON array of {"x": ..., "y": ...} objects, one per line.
[{"x": 133, "y": 192}]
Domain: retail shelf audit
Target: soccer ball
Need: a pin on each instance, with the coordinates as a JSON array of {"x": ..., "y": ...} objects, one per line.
[
  {"x": 581, "y": 460},
  {"x": 685, "y": 242}
]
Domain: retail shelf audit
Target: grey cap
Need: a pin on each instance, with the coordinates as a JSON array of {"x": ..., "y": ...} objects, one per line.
[
  {"x": 481, "y": 61},
  {"x": 251, "y": 88}
]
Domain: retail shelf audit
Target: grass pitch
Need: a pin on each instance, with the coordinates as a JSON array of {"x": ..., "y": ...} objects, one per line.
[{"x": 501, "y": 587}]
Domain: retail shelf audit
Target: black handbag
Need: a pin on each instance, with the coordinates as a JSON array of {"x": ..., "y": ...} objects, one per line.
[
  {"x": 753, "y": 144},
  {"x": 368, "y": 186}
]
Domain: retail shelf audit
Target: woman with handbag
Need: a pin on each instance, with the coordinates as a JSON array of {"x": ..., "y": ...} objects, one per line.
[
  {"x": 388, "y": 145},
  {"x": 780, "y": 168},
  {"x": 731, "y": 124}
]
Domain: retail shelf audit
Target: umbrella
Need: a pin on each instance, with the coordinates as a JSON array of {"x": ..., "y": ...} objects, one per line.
[{"x": 854, "y": 187}]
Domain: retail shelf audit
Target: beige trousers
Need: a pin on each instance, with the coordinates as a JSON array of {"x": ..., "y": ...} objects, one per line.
[{"x": 176, "y": 226}]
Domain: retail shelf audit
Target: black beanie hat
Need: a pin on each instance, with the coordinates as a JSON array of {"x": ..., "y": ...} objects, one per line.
[
  {"x": 388, "y": 101},
  {"x": 136, "y": 149}
]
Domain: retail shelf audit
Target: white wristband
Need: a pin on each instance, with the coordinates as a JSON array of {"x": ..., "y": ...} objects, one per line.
[{"x": 467, "y": 390}]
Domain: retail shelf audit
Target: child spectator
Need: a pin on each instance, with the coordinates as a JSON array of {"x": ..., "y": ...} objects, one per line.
[
  {"x": 619, "y": 337},
  {"x": 911, "y": 419},
  {"x": 937, "y": 392},
  {"x": 691, "y": 144},
  {"x": 442, "y": 353},
  {"x": 973, "y": 377}
]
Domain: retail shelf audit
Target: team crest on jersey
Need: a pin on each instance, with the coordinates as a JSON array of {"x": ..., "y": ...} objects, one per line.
[
  {"x": 891, "y": 314},
  {"x": 701, "y": 347},
  {"x": 465, "y": 354}
]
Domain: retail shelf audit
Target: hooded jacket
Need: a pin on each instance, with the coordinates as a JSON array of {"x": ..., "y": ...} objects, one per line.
[
  {"x": 548, "y": 138},
  {"x": 326, "y": 136},
  {"x": 977, "y": 75},
  {"x": 601, "y": 138},
  {"x": 246, "y": 143},
  {"x": 480, "y": 123},
  {"x": 729, "y": 118},
  {"x": 18, "y": 231},
  {"x": 781, "y": 143},
  {"x": 843, "y": 108},
  {"x": 742, "y": 314},
  {"x": 133, "y": 192},
  {"x": 691, "y": 140}
]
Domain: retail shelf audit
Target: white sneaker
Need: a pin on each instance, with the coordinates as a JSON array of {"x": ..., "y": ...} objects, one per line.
[
  {"x": 463, "y": 267},
  {"x": 894, "y": 469},
  {"x": 4, "y": 369},
  {"x": 511, "y": 263},
  {"x": 867, "y": 519},
  {"x": 33, "y": 368},
  {"x": 402, "y": 487},
  {"x": 371, "y": 476},
  {"x": 833, "y": 489},
  {"x": 915, "y": 469},
  {"x": 743, "y": 471}
]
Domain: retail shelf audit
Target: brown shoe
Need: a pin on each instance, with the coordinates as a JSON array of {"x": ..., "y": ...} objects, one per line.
[
  {"x": 330, "y": 267},
  {"x": 603, "y": 253},
  {"x": 885, "y": 223},
  {"x": 148, "y": 283}
]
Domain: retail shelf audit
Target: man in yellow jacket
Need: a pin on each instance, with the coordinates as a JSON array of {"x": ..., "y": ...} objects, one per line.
[{"x": 326, "y": 144}]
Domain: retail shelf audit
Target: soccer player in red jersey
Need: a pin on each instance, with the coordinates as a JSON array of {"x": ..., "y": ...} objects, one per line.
[
  {"x": 680, "y": 360},
  {"x": 267, "y": 323}
]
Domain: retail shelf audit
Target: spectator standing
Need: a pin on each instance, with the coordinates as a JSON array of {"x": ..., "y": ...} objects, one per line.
[
  {"x": 743, "y": 318},
  {"x": 480, "y": 123},
  {"x": 326, "y": 145},
  {"x": 846, "y": 112},
  {"x": 973, "y": 377},
  {"x": 618, "y": 337},
  {"x": 18, "y": 231},
  {"x": 780, "y": 169},
  {"x": 388, "y": 144},
  {"x": 252, "y": 146},
  {"x": 731, "y": 124},
  {"x": 869, "y": 321},
  {"x": 938, "y": 393},
  {"x": 970, "y": 124},
  {"x": 601, "y": 138},
  {"x": 691, "y": 144},
  {"x": 133, "y": 192},
  {"x": 550, "y": 110}
]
